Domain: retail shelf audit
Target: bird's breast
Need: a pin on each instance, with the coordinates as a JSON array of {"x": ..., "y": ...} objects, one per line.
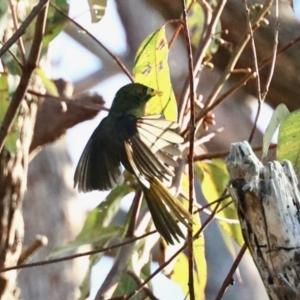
[{"x": 125, "y": 126}]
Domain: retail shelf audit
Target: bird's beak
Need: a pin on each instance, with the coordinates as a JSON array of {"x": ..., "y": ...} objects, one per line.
[{"x": 153, "y": 92}]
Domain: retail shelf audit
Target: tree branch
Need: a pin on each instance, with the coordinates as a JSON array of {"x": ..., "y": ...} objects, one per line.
[{"x": 28, "y": 69}]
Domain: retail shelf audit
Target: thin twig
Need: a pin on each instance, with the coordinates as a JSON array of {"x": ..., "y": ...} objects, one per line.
[
  {"x": 14, "y": 57},
  {"x": 69, "y": 257},
  {"x": 274, "y": 56},
  {"x": 237, "y": 53},
  {"x": 16, "y": 26},
  {"x": 121, "y": 262},
  {"x": 210, "y": 29},
  {"x": 232, "y": 62},
  {"x": 243, "y": 81},
  {"x": 229, "y": 278},
  {"x": 191, "y": 151},
  {"x": 257, "y": 77},
  {"x": 113, "y": 56},
  {"x": 198, "y": 208},
  {"x": 28, "y": 69},
  {"x": 40, "y": 241},
  {"x": 179, "y": 26},
  {"x": 35, "y": 11},
  {"x": 136, "y": 205},
  {"x": 105, "y": 249},
  {"x": 162, "y": 266},
  {"x": 221, "y": 99},
  {"x": 225, "y": 153},
  {"x": 262, "y": 96},
  {"x": 137, "y": 279}
]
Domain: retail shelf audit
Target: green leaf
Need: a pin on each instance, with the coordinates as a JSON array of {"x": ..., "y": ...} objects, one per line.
[
  {"x": 127, "y": 285},
  {"x": 180, "y": 275},
  {"x": 289, "y": 140},
  {"x": 214, "y": 178},
  {"x": 214, "y": 44},
  {"x": 10, "y": 62},
  {"x": 97, "y": 227},
  {"x": 98, "y": 231},
  {"x": 97, "y": 9},
  {"x": 55, "y": 21},
  {"x": 85, "y": 286},
  {"x": 48, "y": 83},
  {"x": 180, "y": 271},
  {"x": 151, "y": 69},
  {"x": 13, "y": 135},
  {"x": 196, "y": 17},
  {"x": 196, "y": 22},
  {"x": 280, "y": 113},
  {"x": 3, "y": 17}
]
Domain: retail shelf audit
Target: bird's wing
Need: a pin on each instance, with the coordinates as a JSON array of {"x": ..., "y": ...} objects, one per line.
[
  {"x": 152, "y": 147},
  {"x": 156, "y": 133},
  {"x": 97, "y": 168},
  {"x": 144, "y": 162}
]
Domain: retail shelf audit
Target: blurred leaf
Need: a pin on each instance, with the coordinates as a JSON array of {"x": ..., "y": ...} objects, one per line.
[
  {"x": 98, "y": 231},
  {"x": 85, "y": 286},
  {"x": 180, "y": 275},
  {"x": 200, "y": 264},
  {"x": 199, "y": 251},
  {"x": 10, "y": 63},
  {"x": 196, "y": 22},
  {"x": 151, "y": 68},
  {"x": 97, "y": 227},
  {"x": 214, "y": 178},
  {"x": 289, "y": 140},
  {"x": 55, "y": 20},
  {"x": 127, "y": 285},
  {"x": 3, "y": 17},
  {"x": 48, "y": 83},
  {"x": 13, "y": 135},
  {"x": 97, "y": 9},
  {"x": 214, "y": 45},
  {"x": 55, "y": 24},
  {"x": 279, "y": 114},
  {"x": 196, "y": 17},
  {"x": 178, "y": 270}
]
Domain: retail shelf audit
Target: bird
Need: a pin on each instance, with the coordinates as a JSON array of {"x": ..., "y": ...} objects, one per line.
[{"x": 145, "y": 145}]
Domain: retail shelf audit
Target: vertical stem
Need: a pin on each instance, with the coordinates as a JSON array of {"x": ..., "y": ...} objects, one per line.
[{"x": 191, "y": 150}]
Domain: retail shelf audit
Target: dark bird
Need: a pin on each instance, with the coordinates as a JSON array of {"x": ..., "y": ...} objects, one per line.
[{"x": 144, "y": 145}]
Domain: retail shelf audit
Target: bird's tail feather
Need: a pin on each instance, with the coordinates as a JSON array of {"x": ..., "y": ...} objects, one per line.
[{"x": 164, "y": 209}]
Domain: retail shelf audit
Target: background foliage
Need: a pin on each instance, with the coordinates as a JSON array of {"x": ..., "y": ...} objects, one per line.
[{"x": 229, "y": 67}]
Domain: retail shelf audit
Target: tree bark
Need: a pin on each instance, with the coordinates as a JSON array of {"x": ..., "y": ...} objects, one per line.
[
  {"x": 13, "y": 181},
  {"x": 52, "y": 208},
  {"x": 268, "y": 203}
]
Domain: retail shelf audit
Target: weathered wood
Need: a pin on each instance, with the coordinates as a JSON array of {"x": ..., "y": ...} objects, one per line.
[{"x": 268, "y": 202}]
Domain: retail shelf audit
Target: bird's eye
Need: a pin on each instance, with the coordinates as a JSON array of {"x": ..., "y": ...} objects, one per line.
[
  {"x": 145, "y": 90},
  {"x": 142, "y": 91}
]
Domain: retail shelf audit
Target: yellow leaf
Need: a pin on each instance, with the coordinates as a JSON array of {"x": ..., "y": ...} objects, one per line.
[
  {"x": 13, "y": 135},
  {"x": 151, "y": 69},
  {"x": 214, "y": 178},
  {"x": 180, "y": 275},
  {"x": 177, "y": 270}
]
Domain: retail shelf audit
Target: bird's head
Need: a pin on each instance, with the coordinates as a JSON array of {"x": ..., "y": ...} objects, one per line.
[{"x": 132, "y": 99}]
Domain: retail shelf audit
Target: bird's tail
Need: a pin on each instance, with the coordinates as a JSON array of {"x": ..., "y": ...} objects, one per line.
[{"x": 165, "y": 209}]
